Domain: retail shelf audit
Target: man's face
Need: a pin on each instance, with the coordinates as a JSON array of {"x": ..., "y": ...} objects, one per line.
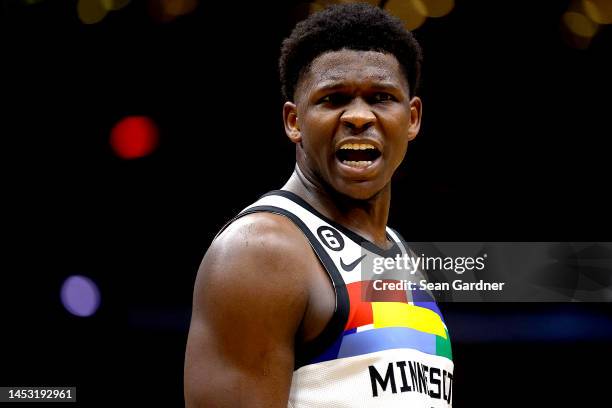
[{"x": 354, "y": 119}]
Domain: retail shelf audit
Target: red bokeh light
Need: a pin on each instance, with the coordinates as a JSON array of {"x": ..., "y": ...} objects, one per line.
[{"x": 134, "y": 137}]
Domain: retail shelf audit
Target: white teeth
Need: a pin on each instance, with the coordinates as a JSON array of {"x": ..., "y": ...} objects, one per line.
[
  {"x": 356, "y": 146},
  {"x": 358, "y": 164}
]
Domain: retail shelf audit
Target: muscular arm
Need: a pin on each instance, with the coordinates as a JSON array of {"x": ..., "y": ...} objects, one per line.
[{"x": 249, "y": 299}]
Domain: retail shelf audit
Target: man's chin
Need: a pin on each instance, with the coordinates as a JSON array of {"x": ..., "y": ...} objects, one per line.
[{"x": 364, "y": 190}]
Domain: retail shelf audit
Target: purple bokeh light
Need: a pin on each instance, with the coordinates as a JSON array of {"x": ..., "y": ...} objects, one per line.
[{"x": 80, "y": 295}]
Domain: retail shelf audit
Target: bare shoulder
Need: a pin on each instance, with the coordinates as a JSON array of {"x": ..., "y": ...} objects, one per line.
[
  {"x": 250, "y": 296},
  {"x": 272, "y": 231},
  {"x": 259, "y": 258},
  {"x": 263, "y": 249}
]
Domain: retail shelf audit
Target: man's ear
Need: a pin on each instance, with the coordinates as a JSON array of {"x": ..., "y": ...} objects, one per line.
[
  {"x": 290, "y": 119},
  {"x": 416, "y": 112}
]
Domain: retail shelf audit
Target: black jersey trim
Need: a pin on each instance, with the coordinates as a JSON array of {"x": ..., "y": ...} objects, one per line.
[
  {"x": 402, "y": 240},
  {"x": 358, "y": 239},
  {"x": 306, "y": 352}
]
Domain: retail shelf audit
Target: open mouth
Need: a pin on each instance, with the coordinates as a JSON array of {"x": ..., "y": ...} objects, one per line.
[{"x": 359, "y": 155}]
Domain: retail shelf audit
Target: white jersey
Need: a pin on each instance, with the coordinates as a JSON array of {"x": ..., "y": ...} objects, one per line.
[{"x": 372, "y": 353}]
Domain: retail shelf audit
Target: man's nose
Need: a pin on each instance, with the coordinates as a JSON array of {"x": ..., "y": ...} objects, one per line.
[{"x": 358, "y": 115}]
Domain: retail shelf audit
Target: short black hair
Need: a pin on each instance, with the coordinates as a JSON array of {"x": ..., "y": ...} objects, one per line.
[{"x": 354, "y": 26}]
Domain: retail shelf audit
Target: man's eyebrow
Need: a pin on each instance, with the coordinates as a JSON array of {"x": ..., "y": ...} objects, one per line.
[
  {"x": 330, "y": 85},
  {"x": 334, "y": 85},
  {"x": 386, "y": 86}
]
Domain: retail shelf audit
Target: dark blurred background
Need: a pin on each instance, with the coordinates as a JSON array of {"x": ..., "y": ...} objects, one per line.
[{"x": 132, "y": 131}]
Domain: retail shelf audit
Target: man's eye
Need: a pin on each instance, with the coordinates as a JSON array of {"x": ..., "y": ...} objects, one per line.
[
  {"x": 382, "y": 97},
  {"x": 335, "y": 99}
]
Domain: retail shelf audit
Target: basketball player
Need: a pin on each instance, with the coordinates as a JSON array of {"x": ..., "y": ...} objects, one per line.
[{"x": 279, "y": 319}]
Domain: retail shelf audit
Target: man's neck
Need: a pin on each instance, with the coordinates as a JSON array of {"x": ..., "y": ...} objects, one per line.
[{"x": 368, "y": 218}]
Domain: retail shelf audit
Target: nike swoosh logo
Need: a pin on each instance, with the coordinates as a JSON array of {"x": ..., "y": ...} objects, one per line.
[{"x": 352, "y": 265}]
